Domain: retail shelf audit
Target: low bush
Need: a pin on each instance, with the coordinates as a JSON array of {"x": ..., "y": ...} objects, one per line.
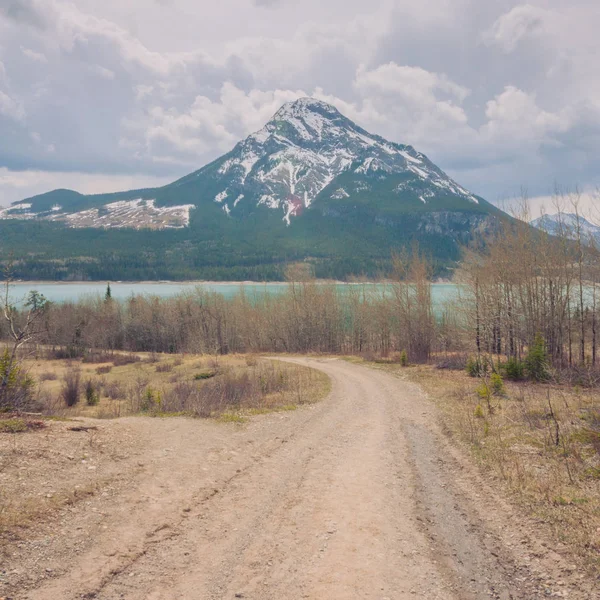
[
  {"x": 477, "y": 366},
  {"x": 92, "y": 397},
  {"x": 69, "y": 352},
  {"x": 514, "y": 369},
  {"x": 151, "y": 400},
  {"x": 104, "y": 369},
  {"x": 120, "y": 360},
  {"x": 452, "y": 362},
  {"x": 98, "y": 356},
  {"x": 71, "y": 388},
  {"x": 16, "y": 391},
  {"x": 251, "y": 360},
  {"x": 403, "y": 358},
  {"x": 497, "y": 385},
  {"x": 587, "y": 376},
  {"x": 14, "y": 424},
  {"x": 537, "y": 366},
  {"x": 164, "y": 367},
  {"x": 484, "y": 391},
  {"x": 204, "y": 375},
  {"x": 113, "y": 390}
]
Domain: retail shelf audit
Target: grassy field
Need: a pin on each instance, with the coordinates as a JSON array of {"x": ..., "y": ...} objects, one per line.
[{"x": 114, "y": 385}]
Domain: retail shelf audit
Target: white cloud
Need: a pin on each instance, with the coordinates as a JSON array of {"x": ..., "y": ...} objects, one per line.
[
  {"x": 33, "y": 55},
  {"x": 207, "y": 124},
  {"x": 415, "y": 103},
  {"x": 102, "y": 72},
  {"x": 119, "y": 92},
  {"x": 514, "y": 115},
  {"x": 519, "y": 23},
  {"x": 10, "y": 107},
  {"x": 411, "y": 83}
]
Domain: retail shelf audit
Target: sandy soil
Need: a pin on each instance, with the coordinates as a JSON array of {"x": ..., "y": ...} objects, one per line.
[{"x": 359, "y": 496}]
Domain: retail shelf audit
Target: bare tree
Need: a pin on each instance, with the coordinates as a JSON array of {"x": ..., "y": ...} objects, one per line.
[{"x": 24, "y": 326}]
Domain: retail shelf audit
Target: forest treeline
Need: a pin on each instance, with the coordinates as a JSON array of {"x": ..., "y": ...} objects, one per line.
[
  {"x": 524, "y": 285},
  {"x": 45, "y": 251}
]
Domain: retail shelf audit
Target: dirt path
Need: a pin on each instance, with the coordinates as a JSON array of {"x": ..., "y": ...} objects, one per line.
[{"x": 357, "y": 497}]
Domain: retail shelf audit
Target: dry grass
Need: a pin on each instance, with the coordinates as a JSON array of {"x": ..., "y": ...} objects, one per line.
[
  {"x": 159, "y": 384},
  {"x": 542, "y": 442},
  {"x": 17, "y": 514},
  {"x": 242, "y": 389}
]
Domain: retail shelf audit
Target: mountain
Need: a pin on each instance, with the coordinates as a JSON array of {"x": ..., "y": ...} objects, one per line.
[
  {"x": 311, "y": 185},
  {"x": 566, "y": 223}
]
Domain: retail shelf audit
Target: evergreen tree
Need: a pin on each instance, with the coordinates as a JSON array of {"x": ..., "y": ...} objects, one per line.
[{"x": 536, "y": 362}]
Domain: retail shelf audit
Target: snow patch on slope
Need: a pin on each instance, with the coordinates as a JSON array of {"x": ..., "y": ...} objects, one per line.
[
  {"x": 339, "y": 194},
  {"x": 135, "y": 214},
  {"x": 221, "y": 196}
]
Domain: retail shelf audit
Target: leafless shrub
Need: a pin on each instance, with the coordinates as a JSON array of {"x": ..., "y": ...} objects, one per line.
[
  {"x": 67, "y": 352},
  {"x": 113, "y": 390},
  {"x": 182, "y": 397},
  {"x": 104, "y": 369},
  {"x": 166, "y": 367},
  {"x": 251, "y": 360},
  {"x": 452, "y": 362},
  {"x": 136, "y": 393},
  {"x": 577, "y": 375},
  {"x": 120, "y": 360},
  {"x": 71, "y": 388},
  {"x": 110, "y": 410},
  {"x": 98, "y": 356}
]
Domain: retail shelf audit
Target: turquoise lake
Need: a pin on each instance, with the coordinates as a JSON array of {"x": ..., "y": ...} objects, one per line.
[{"x": 72, "y": 292}]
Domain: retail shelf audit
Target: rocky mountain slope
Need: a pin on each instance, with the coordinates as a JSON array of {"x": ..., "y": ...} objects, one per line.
[{"x": 310, "y": 185}]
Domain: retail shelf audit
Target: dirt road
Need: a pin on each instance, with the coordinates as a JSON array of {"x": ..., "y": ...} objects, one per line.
[{"x": 359, "y": 496}]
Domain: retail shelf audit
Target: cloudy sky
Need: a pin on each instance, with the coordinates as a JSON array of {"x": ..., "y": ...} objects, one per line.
[{"x": 103, "y": 95}]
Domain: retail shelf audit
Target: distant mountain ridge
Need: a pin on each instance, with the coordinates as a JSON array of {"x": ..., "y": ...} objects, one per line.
[
  {"x": 567, "y": 224},
  {"x": 310, "y": 185}
]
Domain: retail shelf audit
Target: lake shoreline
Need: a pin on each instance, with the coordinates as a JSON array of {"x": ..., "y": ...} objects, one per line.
[
  {"x": 79, "y": 291},
  {"x": 207, "y": 282}
]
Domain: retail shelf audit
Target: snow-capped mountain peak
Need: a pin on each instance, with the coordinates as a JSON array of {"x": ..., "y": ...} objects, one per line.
[
  {"x": 307, "y": 145},
  {"x": 566, "y": 224}
]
